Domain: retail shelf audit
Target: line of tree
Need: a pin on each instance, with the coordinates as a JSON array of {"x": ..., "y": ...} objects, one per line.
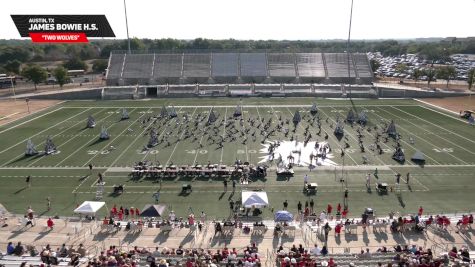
[{"x": 23, "y": 51}]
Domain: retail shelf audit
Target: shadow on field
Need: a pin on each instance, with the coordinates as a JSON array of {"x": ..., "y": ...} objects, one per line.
[
  {"x": 20, "y": 190},
  {"x": 98, "y": 140}
]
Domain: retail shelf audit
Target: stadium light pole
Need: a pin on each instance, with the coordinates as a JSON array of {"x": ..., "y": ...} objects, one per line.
[
  {"x": 348, "y": 47},
  {"x": 127, "y": 26}
]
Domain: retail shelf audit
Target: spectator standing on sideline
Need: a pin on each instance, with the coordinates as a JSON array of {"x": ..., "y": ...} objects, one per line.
[
  {"x": 327, "y": 229},
  {"x": 421, "y": 210},
  {"x": 299, "y": 207},
  {"x": 311, "y": 205},
  {"x": 234, "y": 185},
  {"x": 286, "y": 204},
  {"x": 398, "y": 178},
  {"x": 408, "y": 175},
  {"x": 50, "y": 223},
  {"x": 90, "y": 168},
  {"x": 28, "y": 181},
  {"x": 225, "y": 183}
]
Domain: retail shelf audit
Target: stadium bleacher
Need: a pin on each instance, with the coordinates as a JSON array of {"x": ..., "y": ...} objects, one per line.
[
  {"x": 310, "y": 66},
  {"x": 363, "y": 67},
  {"x": 225, "y": 66},
  {"x": 137, "y": 66},
  {"x": 337, "y": 66},
  {"x": 196, "y": 67},
  {"x": 281, "y": 65},
  {"x": 258, "y": 67},
  {"x": 253, "y": 66},
  {"x": 168, "y": 67}
]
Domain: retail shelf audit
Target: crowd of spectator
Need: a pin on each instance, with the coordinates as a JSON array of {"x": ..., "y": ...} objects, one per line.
[{"x": 164, "y": 257}]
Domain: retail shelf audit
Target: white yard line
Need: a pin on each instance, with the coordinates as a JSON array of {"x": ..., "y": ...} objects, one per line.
[
  {"x": 439, "y": 107},
  {"x": 201, "y": 139},
  {"x": 38, "y": 133},
  {"x": 413, "y": 147},
  {"x": 70, "y": 139},
  {"x": 417, "y": 126},
  {"x": 354, "y": 138},
  {"x": 329, "y": 168},
  {"x": 224, "y": 134},
  {"x": 135, "y": 140},
  {"x": 119, "y": 135},
  {"x": 467, "y": 139},
  {"x": 439, "y": 136},
  {"x": 85, "y": 144},
  {"x": 79, "y": 185},
  {"x": 174, "y": 148},
  {"x": 244, "y": 128},
  {"x": 32, "y": 119},
  {"x": 39, "y": 158},
  {"x": 264, "y": 106},
  {"x": 330, "y": 135},
  {"x": 409, "y": 133}
]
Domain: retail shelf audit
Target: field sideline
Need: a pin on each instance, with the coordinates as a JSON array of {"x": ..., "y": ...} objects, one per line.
[{"x": 446, "y": 141}]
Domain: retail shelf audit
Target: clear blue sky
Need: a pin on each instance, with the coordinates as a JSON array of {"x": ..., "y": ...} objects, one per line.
[{"x": 263, "y": 19}]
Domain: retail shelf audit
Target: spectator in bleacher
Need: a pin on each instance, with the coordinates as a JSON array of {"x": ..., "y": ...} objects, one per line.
[
  {"x": 63, "y": 251},
  {"x": 324, "y": 251},
  {"x": 465, "y": 255},
  {"x": 82, "y": 251},
  {"x": 10, "y": 248},
  {"x": 19, "y": 249}
]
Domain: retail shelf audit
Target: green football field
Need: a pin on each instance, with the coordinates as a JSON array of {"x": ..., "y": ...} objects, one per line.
[{"x": 443, "y": 184}]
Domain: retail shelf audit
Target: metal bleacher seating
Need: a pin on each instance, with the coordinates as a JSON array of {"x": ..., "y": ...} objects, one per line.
[
  {"x": 196, "y": 66},
  {"x": 337, "y": 65},
  {"x": 310, "y": 65},
  {"x": 168, "y": 66},
  {"x": 225, "y": 66},
  {"x": 362, "y": 65},
  {"x": 253, "y": 65},
  {"x": 138, "y": 66},
  {"x": 281, "y": 65},
  {"x": 237, "y": 68}
]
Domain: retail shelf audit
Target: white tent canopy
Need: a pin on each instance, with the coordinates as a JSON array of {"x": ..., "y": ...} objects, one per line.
[
  {"x": 89, "y": 207},
  {"x": 256, "y": 199}
]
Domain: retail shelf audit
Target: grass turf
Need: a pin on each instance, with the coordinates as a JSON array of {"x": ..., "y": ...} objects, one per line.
[{"x": 443, "y": 185}]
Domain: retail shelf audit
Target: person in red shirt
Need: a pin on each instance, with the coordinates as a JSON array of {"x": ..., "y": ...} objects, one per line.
[
  {"x": 338, "y": 229},
  {"x": 132, "y": 211},
  {"x": 307, "y": 211},
  {"x": 114, "y": 211},
  {"x": 121, "y": 215},
  {"x": 344, "y": 213},
  {"x": 331, "y": 262},
  {"x": 50, "y": 223},
  {"x": 329, "y": 209},
  {"x": 137, "y": 212},
  {"x": 421, "y": 210},
  {"x": 338, "y": 208}
]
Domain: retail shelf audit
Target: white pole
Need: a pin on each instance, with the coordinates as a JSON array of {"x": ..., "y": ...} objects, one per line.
[{"x": 127, "y": 26}]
